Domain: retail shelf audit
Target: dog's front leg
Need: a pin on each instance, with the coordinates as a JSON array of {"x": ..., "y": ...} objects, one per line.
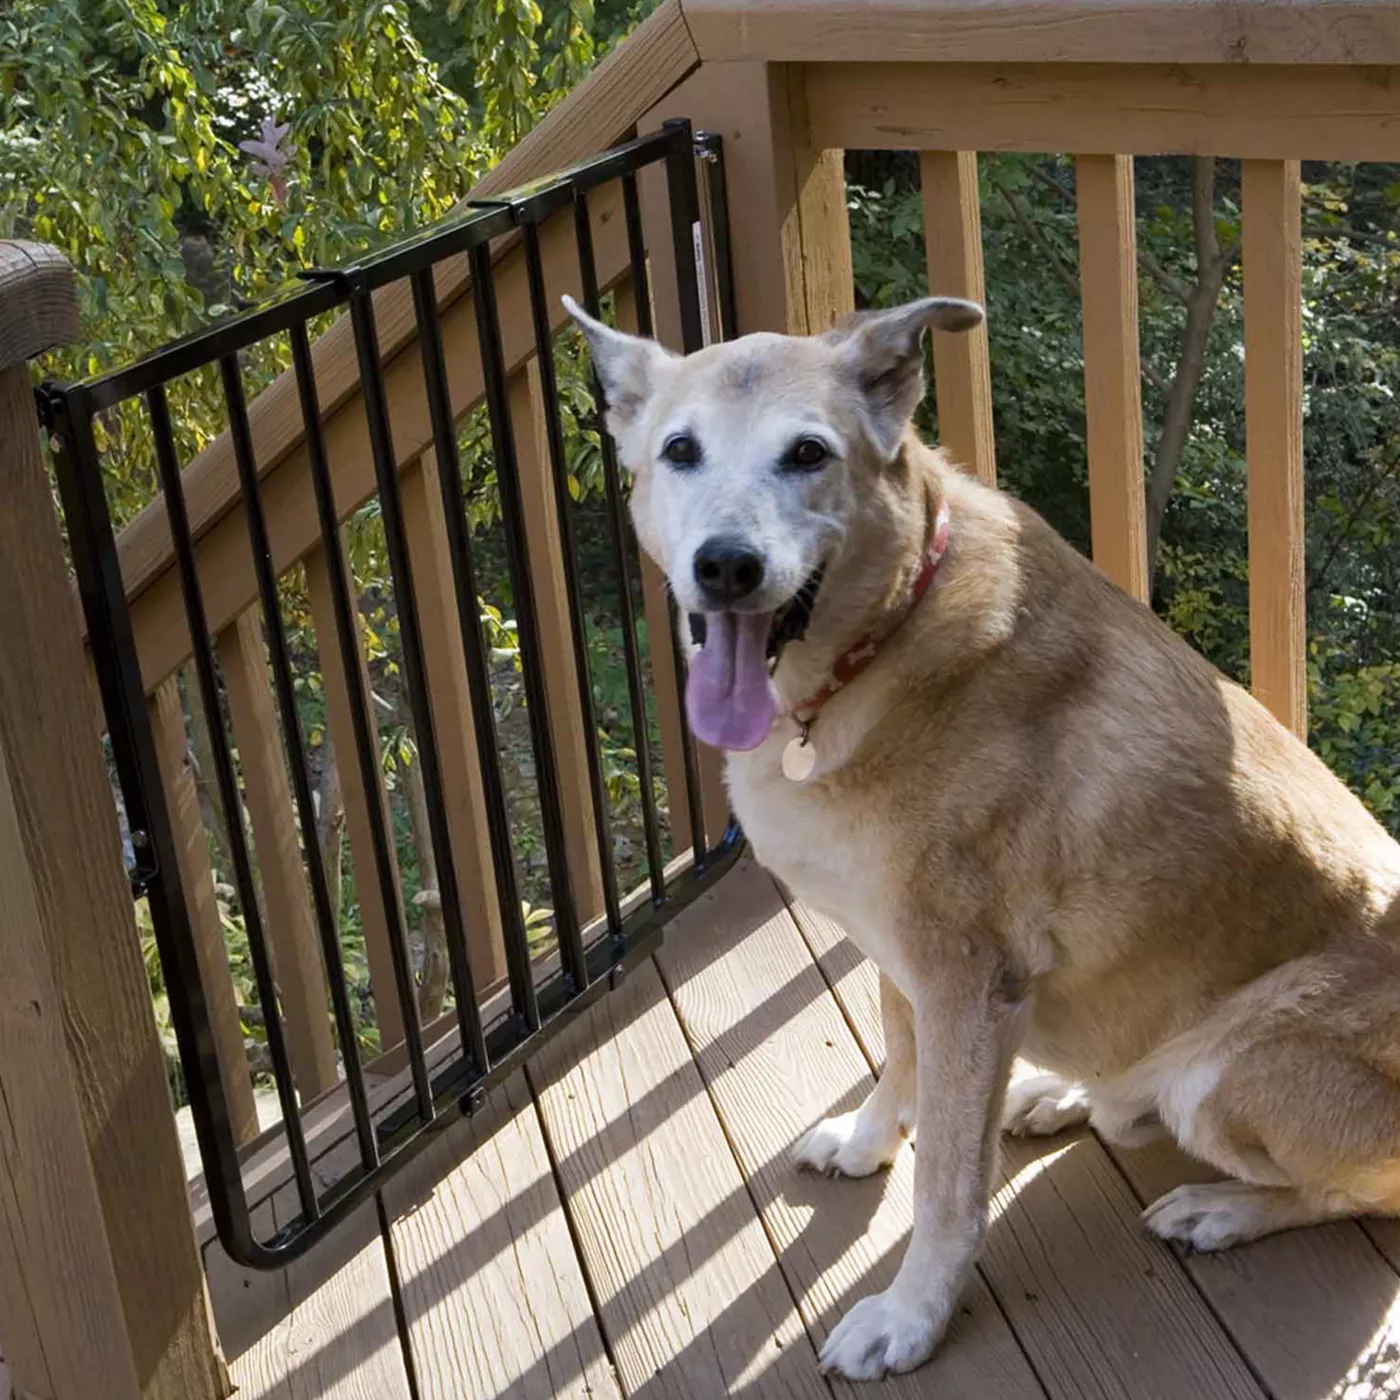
[
  {"x": 861, "y": 1142},
  {"x": 965, "y": 1029}
]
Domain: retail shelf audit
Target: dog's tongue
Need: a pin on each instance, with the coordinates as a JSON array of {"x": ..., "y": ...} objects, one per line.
[{"x": 729, "y": 697}]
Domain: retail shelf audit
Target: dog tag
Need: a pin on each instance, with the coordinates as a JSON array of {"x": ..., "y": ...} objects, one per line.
[{"x": 799, "y": 758}]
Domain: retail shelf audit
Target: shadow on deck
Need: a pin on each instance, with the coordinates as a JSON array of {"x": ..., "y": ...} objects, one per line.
[{"x": 623, "y": 1220}]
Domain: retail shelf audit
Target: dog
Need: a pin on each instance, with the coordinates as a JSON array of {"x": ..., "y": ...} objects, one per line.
[{"x": 1055, "y": 828}]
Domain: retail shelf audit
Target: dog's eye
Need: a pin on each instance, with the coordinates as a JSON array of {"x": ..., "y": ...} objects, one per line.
[
  {"x": 681, "y": 450},
  {"x": 808, "y": 453}
]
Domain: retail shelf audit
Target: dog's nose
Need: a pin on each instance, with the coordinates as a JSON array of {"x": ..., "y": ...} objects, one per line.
[{"x": 727, "y": 570}]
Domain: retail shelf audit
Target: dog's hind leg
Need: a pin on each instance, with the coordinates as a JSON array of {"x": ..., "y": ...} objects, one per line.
[
  {"x": 860, "y": 1143},
  {"x": 1042, "y": 1104},
  {"x": 1299, "y": 1100},
  {"x": 1218, "y": 1214}
]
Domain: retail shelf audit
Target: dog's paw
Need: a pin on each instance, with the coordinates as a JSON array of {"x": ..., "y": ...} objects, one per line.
[
  {"x": 880, "y": 1335},
  {"x": 844, "y": 1146},
  {"x": 1206, "y": 1217},
  {"x": 1042, "y": 1105}
]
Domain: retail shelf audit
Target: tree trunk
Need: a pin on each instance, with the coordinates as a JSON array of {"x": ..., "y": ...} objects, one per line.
[
  {"x": 330, "y": 826},
  {"x": 1201, "y": 302},
  {"x": 432, "y": 990},
  {"x": 201, "y": 756}
]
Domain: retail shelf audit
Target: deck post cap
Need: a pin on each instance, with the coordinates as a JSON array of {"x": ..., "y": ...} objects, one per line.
[{"x": 38, "y": 301}]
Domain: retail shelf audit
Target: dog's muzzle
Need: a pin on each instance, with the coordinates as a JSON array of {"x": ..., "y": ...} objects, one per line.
[{"x": 790, "y": 622}]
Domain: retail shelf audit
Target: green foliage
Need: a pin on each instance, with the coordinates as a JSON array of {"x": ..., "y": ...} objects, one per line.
[{"x": 1352, "y": 419}]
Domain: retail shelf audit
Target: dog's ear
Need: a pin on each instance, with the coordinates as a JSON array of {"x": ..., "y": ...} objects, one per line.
[
  {"x": 885, "y": 351},
  {"x": 626, "y": 365}
]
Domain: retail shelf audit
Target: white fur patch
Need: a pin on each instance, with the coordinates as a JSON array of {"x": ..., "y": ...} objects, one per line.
[
  {"x": 1182, "y": 1089},
  {"x": 880, "y": 1335}
]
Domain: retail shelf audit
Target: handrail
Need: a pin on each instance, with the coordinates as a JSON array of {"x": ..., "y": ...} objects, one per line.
[
  {"x": 603, "y": 109},
  {"x": 1314, "y": 32}
]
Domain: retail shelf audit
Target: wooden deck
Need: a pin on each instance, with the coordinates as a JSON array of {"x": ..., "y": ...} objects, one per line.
[{"x": 624, "y": 1221}]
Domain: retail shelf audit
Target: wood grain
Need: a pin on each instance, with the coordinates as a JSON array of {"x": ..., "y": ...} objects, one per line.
[
  {"x": 691, "y": 1299},
  {"x": 291, "y": 926},
  {"x": 68, "y": 826},
  {"x": 1152, "y": 108},
  {"x": 338, "y": 674},
  {"x": 1273, "y": 403},
  {"x": 38, "y": 301},
  {"x": 338, "y": 1339},
  {"x": 550, "y": 593},
  {"x": 1311, "y": 1309},
  {"x": 453, "y": 720},
  {"x": 777, "y": 1058},
  {"x": 494, "y": 1296},
  {"x": 328, "y": 1122},
  {"x": 1112, "y": 369},
  {"x": 60, "y": 1304},
  {"x": 197, "y": 882},
  {"x": 1048, "y": 31},
  {"x": 1100, "y": 1308},
  {"x": 962, "y": 374},
  {"x": 656, "y": 606}
]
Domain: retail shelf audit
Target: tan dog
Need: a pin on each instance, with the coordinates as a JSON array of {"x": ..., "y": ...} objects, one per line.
[{"x": 1055, "y": 828}]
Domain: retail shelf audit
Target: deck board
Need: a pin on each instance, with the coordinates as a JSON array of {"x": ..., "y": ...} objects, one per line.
[
  {"x": 339, "y": 1340},
  {"x": 1311, "y": 1309},
  {"x": 1102, "y": 1309},
  {"x": 691, "y": 1298},
  {"x": 494, "y": 1296},
  {"x": 622, "y": 1219},
  {"x": 777, "y": 1057}
]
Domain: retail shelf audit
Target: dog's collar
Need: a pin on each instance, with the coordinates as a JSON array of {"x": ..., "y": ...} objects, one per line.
[{"x": 855, "y": 659}]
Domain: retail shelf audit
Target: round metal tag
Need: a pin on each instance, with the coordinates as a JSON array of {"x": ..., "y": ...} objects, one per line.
[{"x": 799, "y": 758}]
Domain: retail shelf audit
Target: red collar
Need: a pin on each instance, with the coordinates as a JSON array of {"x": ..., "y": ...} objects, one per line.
[{"x": 854, "y": 660}]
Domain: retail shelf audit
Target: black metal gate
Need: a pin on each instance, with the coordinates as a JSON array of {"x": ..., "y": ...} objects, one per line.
[{"x": 539, "y": 1001}]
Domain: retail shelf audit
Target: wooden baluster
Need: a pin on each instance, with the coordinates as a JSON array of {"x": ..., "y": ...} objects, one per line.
[
  {"x": 1112, "y": 369},
  {"x": 788, "y": 225},
  {"x": 290, "y": 923},
  {"x": 556, "y": 640},
  {"x": 101, "y": 1289},
  {"x": 374, "y": 917},
  {"x": 452, "y": 717},
  {"x": 1273, "y": 354},
  {"x": 657, "y": 608},
  {"x": 962, "y": 377},
  {"x": 197, "y": 880}
]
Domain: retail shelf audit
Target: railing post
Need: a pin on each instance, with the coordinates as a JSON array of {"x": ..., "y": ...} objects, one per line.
[
  {"x": 101, "y": 1289},
  {"x": 197, "y": 881},
  {"x": 1273, "y": 408},
  {"x": 962, "y": 375},
  {"x": 556, "y": 635},
  {"x": 788, "y": 225},
  {"x": 1112, "y": 368},
  {"x": 374, "y": 917}
]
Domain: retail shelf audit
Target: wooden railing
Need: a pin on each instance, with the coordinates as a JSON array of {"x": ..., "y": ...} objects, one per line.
[{"x": 789, "y": 86}]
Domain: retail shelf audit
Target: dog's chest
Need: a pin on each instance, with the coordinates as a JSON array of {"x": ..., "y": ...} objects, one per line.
[{"x": 814, "y": 844}]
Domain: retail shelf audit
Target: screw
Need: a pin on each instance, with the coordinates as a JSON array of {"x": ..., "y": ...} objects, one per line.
[
  {"x": 140, "y": 840},
  {"x": 617, "y": 976},
  {"x": 56, "y": 443},
  {"x": 474, "y": 1101}
]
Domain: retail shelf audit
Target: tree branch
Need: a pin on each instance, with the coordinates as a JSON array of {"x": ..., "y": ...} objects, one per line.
[
  {"x": 1334, "y": 547},
  {"x": 1159, "y": 274},
  {"x": 1211, "y": 264},
  {"x": 1057, "y": 264}
]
